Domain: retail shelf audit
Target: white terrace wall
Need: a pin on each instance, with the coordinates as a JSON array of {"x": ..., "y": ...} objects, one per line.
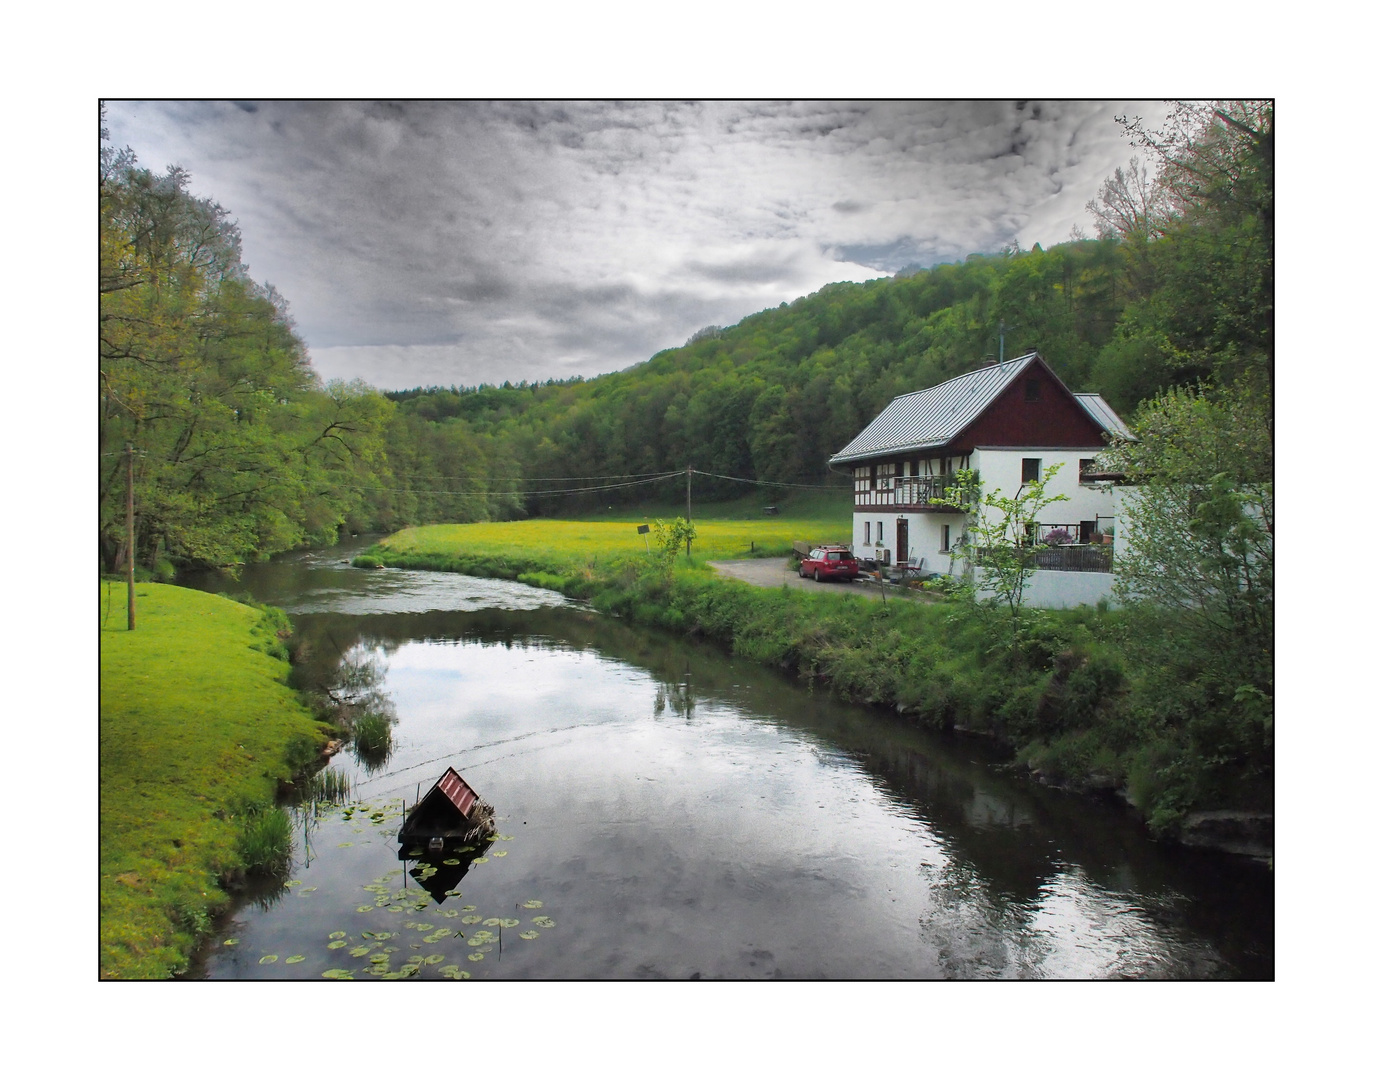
[
  {"x": 1001, "y": 469},
  {"x": 1066, "y": 589}
]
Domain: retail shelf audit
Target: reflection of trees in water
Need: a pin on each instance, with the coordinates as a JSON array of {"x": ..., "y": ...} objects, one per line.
[
  {"x": 675, "y": 695},
  {"x": 359, "y": 705},
  {"x": 1018, "y": 835}
]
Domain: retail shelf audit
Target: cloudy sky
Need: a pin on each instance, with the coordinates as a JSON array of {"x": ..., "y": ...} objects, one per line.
[{"x": 461, "y": 242}]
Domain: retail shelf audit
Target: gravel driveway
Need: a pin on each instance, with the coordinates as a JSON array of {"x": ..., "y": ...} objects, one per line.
[{"x": 773, "y": 573}]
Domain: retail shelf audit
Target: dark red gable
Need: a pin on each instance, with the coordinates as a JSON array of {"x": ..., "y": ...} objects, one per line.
[{"x": 1055, "y": 419}]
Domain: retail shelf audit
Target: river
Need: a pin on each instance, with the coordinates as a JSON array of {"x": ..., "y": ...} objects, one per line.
[{"x": 667, "y": 811}]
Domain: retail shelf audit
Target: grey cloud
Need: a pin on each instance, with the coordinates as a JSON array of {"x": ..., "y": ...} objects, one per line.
[{"x": 582, "y": 236}]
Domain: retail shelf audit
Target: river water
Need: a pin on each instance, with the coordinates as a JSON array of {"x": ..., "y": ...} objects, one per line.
[{"x": 667, "y": 811}]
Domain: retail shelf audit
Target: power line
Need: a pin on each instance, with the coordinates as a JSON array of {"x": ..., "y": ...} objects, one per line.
[
  {"x": 448, "y": 491},
  {"x": 768, "y": 483}
]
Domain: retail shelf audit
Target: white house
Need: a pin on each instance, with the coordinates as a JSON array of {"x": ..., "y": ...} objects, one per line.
[{"x": 1011, "y": 422}]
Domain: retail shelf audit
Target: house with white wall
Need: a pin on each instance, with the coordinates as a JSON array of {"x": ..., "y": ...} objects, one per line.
[{"x": 1011, "y": 422}]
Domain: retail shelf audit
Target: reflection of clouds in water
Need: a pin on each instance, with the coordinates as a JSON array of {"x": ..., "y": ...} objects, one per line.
[
  {"x": 1074, "y": 930},
  {"x": 395, "y": 592},
  {"x": 1098, "y": 934}
]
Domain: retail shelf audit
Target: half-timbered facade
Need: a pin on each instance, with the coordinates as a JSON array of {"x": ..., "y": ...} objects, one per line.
[{"x": 1011, "y": 422}]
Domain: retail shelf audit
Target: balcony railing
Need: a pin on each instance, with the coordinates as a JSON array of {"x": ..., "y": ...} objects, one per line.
[
  {"x": 1076, "y": 558},
  {"x": 907, "y": 492}
]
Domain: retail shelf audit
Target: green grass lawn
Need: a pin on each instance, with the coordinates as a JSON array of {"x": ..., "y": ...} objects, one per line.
[{"x": 196, "y": 721}]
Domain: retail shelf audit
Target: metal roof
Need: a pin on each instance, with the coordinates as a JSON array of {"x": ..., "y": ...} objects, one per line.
[
  {"x": 1104, "y": 415},
  {"x": 455, "y": 789},
  {"x": 929, "y": 418}
]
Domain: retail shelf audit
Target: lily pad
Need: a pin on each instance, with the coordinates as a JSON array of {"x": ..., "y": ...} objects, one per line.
[
  {"x": 270, "y": 958},
  {"x": 471, "y": 920},
  {"x": 338, "y": 934},
  {"x": 544, "y": 921},
  {"x": 481, "y": 858},
  {"x": 231, "y": 941},
  {"x": 508, "y": 923},
  {"x": 497, "y": 855},
  {"x": 365, "y": 907},
  {"x": 337, "y": 973},
  {"x": 475, "y": 956},
  {"x": 295, "y": 959},
  {"x": 532, "y": 904},
  {"x": 360, "y": 950},
  {"x": 529, "y": 935},
  {"x": 292, "y": 883},
  {"x": 434, "y": 958}
]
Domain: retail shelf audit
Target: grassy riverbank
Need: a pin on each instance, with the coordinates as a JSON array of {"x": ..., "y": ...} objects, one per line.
[
  {"x": 197, "y": 725},
  {"x": 1068, "y": 698}
]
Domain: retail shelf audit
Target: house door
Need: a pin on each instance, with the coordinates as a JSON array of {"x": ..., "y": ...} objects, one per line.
[{"x": 901, "y": 543}]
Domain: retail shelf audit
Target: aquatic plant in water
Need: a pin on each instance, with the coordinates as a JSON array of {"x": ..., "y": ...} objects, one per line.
[{"x": 265, "y": 840}]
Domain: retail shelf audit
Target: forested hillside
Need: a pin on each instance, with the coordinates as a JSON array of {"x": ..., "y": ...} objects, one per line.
[
  {"x": 241, "y": 451},
  {"x": 1176, "y": 290}
]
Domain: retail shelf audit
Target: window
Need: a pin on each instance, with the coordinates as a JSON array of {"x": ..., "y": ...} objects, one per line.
[
  {"x": 1031, "y": 389},
  {"x": 867, "y": 534},
  {"x": 1085, "y": 465},
  {"x": 879, "y": 532},
  {"x": 1029, "y": 469},
  {"x": 944, "y": 539}
]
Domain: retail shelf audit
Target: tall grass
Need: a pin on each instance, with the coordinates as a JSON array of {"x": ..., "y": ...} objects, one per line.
[
  {"x": 265, "y": 840},
  {"x": 326, "y": 786},
  {"x": 372, "y": 734}
]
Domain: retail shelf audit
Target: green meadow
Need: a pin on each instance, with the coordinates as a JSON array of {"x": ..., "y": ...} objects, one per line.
[
  {"x": 197, "y": 727},
  {"x": 732, "y": 530}
]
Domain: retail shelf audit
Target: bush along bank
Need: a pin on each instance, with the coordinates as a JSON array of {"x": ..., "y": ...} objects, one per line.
[
  {"x": 1062, "y": 692},
  {"x": 198, "y": 729}
]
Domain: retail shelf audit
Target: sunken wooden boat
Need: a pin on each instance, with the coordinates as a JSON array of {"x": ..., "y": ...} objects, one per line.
[{"x": 449, "y": 815}]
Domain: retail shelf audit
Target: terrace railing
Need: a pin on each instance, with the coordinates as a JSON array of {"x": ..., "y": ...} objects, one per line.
[{"x": 1076, "y": 558}]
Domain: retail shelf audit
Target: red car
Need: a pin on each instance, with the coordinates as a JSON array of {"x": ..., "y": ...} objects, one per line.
[{"x": 832, "y": 562}]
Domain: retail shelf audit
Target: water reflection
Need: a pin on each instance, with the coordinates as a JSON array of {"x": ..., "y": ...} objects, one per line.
[{"x": 691, "y": 814}]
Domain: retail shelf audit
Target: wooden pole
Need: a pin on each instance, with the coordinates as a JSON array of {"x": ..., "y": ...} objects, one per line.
[
  {"x": 689, "y": 508},
  {"x": 128, "y": 450}
]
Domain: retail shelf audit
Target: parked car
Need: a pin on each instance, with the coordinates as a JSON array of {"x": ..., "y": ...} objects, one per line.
[{"x": 831, "y": 561}]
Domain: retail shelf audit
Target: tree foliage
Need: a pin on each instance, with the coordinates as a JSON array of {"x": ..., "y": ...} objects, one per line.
[
  {"x": 1000, "y": 542},
  {"x": 238, "y": 451}
]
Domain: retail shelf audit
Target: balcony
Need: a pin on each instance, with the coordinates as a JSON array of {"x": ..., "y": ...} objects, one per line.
[{"x": 914, "y": 494}]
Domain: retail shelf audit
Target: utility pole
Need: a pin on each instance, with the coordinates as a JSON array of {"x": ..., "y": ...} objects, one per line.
[
  {"x": 128, "y": 506},
  {"x": 689, "y": 470},
  {"x": 1001, "y": 354}
]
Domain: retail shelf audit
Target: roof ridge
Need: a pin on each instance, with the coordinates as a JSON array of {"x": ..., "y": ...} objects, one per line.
[{"x": 966, "y": 375}]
